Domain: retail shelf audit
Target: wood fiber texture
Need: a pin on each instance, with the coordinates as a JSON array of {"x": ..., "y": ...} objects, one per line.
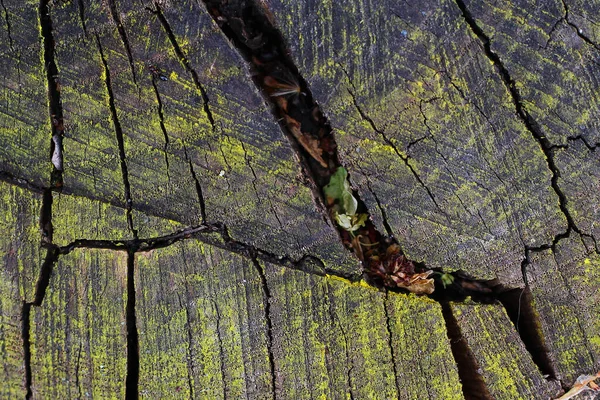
[{"x": 187, "y": 252}]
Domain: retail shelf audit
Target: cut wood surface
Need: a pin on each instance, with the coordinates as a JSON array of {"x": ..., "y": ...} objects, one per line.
[{"x": 164, "y": 237}]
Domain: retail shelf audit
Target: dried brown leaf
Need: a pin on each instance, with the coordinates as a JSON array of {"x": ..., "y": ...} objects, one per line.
[
  {"x": 310, "y": 144},
  {"x": 580, "y": 385}
]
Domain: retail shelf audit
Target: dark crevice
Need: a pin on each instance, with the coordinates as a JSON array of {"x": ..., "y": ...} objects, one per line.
[
  {"x": 579, "y": 31},
  {"x": 197, "y": 186},
  {"x": 43, "y": 281},
  {"x": 205, "y": 233},
  {"x": 529, "y": 122},
  {"x": 26, "y": 336},
  {"x": 473, "y": 385},
  {"x": 221, "y": 349},
  {"x": 81, "y": 8},
  {"x": 7, "y": 20},
  {"x": 114, "y": 13},
  {"x": 269, "y": 323},
  {"x": 189, "y": 357},
  {"x": 54, "y": 101},
  {"x": 46, "y": 227},
  {"x": 163, "y": 128},
  {"x": 311, "y": 137},
  {"x": 120, "y": 139},
  {"x": 133, "y": 350},
  {"x": 390, "y": 343},
  {"x": 52, "y": 251},
  {"x": 184, "y": 61},
  {"x": 518, "y": 304},
  {"x": 77, "y": 368},
  {"x": 591, "y": 147}
]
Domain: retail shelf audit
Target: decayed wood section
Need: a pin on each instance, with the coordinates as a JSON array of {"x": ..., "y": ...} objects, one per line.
[{"x": 162, "y": 236}]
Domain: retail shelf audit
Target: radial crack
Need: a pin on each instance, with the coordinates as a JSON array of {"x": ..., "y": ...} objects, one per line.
[
  {"x": 579, "y": 31},
  {"x": 133, "y": 350},
  {"x": 161, "y": 122},
  {"x": 390, "y": 343},
  {"x": 114, "y": 13},
  {"x": 519, "y": 307},
  {"x": 26, "y": 336},
  {"x": 197, "y": 185},
  {"x": 7, "y": 20},
  {"x": 267, "y": 304},
  {"x": 221, "y": 349},
  {"x": 120, "y": 139},
  {"x": 183, "y": 59},
  {"x": 81, "y": 8},
  {"x": 189, "y": 357},
  {"x": 528, "y": 121},
  {"x": 311, "y": 137},
  {"x": 405, "y": 159}
]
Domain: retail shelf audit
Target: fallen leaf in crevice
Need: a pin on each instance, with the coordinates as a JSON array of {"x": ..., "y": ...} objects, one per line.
[
  {"x": 581, "y": 384},
  {"x": 311, "y": 145}
]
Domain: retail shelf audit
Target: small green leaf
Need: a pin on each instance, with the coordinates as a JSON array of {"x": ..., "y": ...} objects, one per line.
[
  {"x": 446, "y": 279},
  {"x": 344, "y": 221},
  {"x": 358, "y": 221},
  {"x": 337, "y": 184},
  {"x": 349, "y": 203}
]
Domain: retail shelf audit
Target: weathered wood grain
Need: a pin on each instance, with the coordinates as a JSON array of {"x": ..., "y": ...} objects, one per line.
[
  {"x": 21, "y": 255},
  {"x": 243, "y": 166},
  {"x": 504, "y": 364},
  {"x": 336, "y": 340},
  {"x": 20, "y": 260},
  {"x": 565, "y": 289},
  {"x": 78, "y": 337},
  {"x": 470, "y": 130},
  {"x": 202, "y": 324},
  {"x": 25, "y": 131},
  {"x": 427, "y": 130}
]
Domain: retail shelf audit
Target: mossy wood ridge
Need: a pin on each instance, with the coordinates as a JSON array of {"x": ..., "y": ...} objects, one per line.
[{"x": 165, "y": 233}]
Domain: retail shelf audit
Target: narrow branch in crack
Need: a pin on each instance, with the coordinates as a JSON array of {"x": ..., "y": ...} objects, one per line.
[
  {"x": 120, "y": 139},
  {"x": 26, "y": 337},
  {"x": 133, "y": 350},
  {"x": 529, "y": 122},
  {"x": 7, "y": 20},
  {"x": 183, "y": 59},
  {"x": 267, "y": 304},
  {"x": 114, "y": 13},
  {"x": 163, "y": 128},
  {"x": 54, "y": 101}
]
